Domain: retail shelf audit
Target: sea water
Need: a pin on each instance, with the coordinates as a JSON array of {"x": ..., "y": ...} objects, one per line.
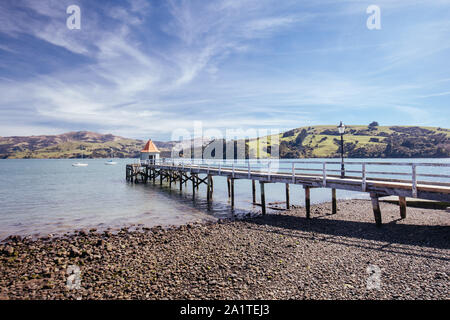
[{"x": 38, "y": 197}]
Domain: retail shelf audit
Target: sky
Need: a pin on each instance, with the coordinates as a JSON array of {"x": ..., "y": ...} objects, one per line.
[{"x": 144, "y": 69}]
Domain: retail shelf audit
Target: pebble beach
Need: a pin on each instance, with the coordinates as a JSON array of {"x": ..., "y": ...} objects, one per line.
[{"x": 277, "y": 256}]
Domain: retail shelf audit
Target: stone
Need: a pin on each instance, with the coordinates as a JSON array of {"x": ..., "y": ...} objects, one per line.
[
  {"x": 8, "y": 250},
  {"x": 74, "y": 252}
]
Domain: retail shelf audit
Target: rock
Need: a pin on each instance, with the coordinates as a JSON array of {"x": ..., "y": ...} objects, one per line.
[
  {"x": 8, "y": 250},
  {"x": 86, "y": 253},
  {"x": 62, "y": 253},
  {"x": 47, "y": 237},
  {"x": 14, "y": 238},
  {"x": 74, "y": 252}
]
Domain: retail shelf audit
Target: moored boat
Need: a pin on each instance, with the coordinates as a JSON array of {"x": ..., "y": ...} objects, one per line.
[
  {"x": 110, "y": 163},
  {"x": 79, "y": 164}
]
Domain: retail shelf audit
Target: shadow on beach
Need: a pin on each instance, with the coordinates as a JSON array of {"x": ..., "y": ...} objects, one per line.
[{"x": 419, "y": 240}]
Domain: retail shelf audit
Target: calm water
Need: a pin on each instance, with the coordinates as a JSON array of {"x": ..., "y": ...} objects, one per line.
[{"x": 38, "y": 197}]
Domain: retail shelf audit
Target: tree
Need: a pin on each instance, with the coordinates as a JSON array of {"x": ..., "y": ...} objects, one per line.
[{"x": 373, "y": 125}]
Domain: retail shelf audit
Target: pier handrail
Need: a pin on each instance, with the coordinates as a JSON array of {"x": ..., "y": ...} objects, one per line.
[
  {"x": 326, "y": 170},
  {"x": 366, "y": 176}
]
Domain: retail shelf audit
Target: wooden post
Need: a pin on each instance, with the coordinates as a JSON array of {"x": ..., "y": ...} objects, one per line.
[
  {"x": 333, "y": 201},
  {"x": 212, "y": 185},
  {"x": 154, "y": 175},
  {"x": 402, "y": 203},
  {"x": 232, "y": 194},
  {"x": 208, "y": 189},
  {"x": 229, "y": 188},
  {"x": 308, "y": 202},
  {"x": 414, "y": 181},
  {"x": 170, "y": 178},
  {"x": 364, "y": 178},
  {"x": 160, "y": 176},
  {"x": 263, "y": 198},
  {"x": 193, "y": 184},
  {"x": 376, "y": 208},
  {"x": 253, "y": 191},
  {"x": 287, "y": 197},
  {"x": 181, "y": 181}
]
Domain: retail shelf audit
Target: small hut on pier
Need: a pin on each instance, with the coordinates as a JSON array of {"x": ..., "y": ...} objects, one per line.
[{"x": 150, "y": 152}]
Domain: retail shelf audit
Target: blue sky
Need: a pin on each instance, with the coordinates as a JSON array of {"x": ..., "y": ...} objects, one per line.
[{"x": 142, "y": 69}]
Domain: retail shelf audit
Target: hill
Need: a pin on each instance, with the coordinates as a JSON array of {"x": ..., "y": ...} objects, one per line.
[
  {"x": 362, "y": 142},
  {"x": 74, "y": 145},
  {"x": 304, "y": 142}
]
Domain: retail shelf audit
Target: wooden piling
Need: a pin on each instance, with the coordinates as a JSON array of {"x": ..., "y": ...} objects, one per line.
[
  {"x": 402, "y": 203},
  {"x": 208, "y": 189},
  {"x": 254, "y": 191},
  {"x": 308, "y": 202},
  {"x": 181, "y": 181},
  {"x": 333, "y": 201},
  {"x": 170, "y": 178},
  {"x": 212, "y": 185},
  {"x": 232, "y": 193},
  {"x": 287, "y": 197},
  {"x": 263, "y": 197},
  {"x": 193, "y": 184},
  {"x": 229, "y": 188},
  {"x": 160, "y": 177},
  {"x": 376, "y": 208}
]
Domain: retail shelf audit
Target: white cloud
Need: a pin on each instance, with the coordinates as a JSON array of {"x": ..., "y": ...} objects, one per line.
[{"x": 134, "y": 88}]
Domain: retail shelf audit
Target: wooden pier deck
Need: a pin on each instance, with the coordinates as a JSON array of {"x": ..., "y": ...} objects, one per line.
[{"x": 315, "y": 175}]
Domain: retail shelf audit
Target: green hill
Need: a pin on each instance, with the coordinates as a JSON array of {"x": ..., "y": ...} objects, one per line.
[
  {"x": 362, "y": 142},
  {"x": 74, "y": 145},
  {"x": 304, "y": 142}
]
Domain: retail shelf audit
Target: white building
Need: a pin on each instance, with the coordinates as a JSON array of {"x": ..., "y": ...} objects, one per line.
[{"x": 150, "y": 151}]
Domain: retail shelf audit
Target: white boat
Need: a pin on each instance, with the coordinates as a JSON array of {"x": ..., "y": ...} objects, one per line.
[
  {"x": 79, "y": 164},
  {"x": 110, "y": 163}
]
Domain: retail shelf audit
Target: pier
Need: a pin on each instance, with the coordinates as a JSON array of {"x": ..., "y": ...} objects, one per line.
[{"x": 361, "y": 177}]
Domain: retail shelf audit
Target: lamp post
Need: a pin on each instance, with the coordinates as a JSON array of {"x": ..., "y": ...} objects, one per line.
[{"x": 341, "y": 129}]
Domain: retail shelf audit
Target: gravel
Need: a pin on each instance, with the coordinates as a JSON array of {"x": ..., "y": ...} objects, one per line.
[{"x": 278, "y": 256}]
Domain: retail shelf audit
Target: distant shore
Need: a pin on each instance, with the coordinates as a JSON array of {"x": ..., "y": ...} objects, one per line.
[{"x": 278, "y": 256}]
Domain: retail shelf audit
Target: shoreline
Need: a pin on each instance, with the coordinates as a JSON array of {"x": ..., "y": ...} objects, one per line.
[
  {"x": 277, "y": 207},
  {"x": 278, "y": 256}
]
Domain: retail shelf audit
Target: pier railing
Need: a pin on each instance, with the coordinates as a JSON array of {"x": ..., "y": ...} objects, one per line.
[
  {"x": 361, "y": 171},
  {"x": 429, "y": 181}
]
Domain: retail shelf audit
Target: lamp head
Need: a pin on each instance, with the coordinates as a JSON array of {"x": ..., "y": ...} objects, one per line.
[{"x": 341, "y": 128}]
